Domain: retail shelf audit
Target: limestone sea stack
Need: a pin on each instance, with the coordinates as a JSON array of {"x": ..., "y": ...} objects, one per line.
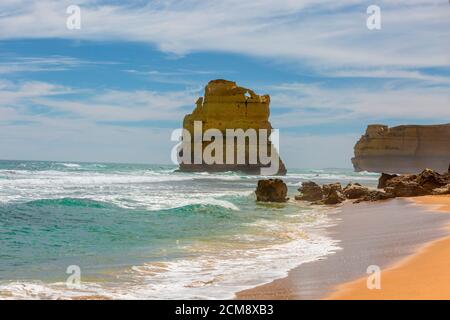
[
  {"x": 403, "y": 149},
  {"x": 224, "y": 106}
]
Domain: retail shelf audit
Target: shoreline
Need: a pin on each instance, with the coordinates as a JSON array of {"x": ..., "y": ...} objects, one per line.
[
  {"x": 383, "y": 234},
  {"x": 422, "y": 275}
]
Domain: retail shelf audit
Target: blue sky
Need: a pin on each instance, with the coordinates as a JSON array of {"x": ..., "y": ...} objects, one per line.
[{"x": 115, "y": 89}]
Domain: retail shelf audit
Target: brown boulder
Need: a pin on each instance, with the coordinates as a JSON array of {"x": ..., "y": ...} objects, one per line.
[
  {"x": 443, "y": 190},
  {"x": 430, "y": 179},
  {"x": 310, "y": 191},
  {"x": 271, "y": 190},
  {"x": 406, "y": 189},
  {"x": 355, "y": 191},
  {"x": 401, "y": 178},
  {"x": 326, "y": 188},
  {"x": 375, "y": 195},
  {"x": 385, "y": 177},
  {"x": 332, "y": 193}
]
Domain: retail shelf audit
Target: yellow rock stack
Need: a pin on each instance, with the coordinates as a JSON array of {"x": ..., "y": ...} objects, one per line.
[
  {"x": 403, "y": 149},
  {"x": 228, "y": 106}
]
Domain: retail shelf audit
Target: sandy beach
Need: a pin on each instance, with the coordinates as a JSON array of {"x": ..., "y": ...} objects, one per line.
[
  {"x": 423, "y": 275},
  {"x": 407, "y": 238}
]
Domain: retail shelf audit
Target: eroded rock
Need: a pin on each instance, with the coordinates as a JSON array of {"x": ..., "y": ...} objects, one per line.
[
  {"x": 385, "y": 177},
  {"x": 226, "y": 105},
  {"x": 375, "y": 195},
  {"x": 271, "y": 190},
  {"x": 355, "y": 191},
  {"x": 430, "y": 179},
  {"x": 412, "y": 185},
  {"x": 428, "y": 182},
  {"x": 332, "y": 193},
  {"x": 441, "y": 191},
  {"x": 310, "y": 191}
]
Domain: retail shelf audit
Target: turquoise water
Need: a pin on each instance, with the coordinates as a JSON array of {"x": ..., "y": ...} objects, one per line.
[{"x": 146, "y": 231}]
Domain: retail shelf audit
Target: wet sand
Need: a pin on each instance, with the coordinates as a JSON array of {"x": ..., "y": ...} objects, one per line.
[
  {"x": 423, "y": 275},
  {"x": 382, "y": 234}
]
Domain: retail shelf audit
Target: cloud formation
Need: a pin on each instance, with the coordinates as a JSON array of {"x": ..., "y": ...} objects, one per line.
[{"x": 322, "y": 33}]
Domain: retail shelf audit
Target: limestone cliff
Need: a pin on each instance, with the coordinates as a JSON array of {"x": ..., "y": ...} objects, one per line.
[
  {"x": 403, "y": 149},
  {"x": 228, "y": 106}
]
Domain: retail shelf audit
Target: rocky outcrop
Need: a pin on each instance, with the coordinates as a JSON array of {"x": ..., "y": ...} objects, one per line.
[
  {"x": 406, "y": 189},
  {"x": 403, "y": 149},
  {"x": 428, "y": 182},
  {"x": 271, "y": 190},
  {"x": 228, "y": 106},
  {"x": 375, "y": 195},
  {"x": 443, "y": 190},
  {"x": 385, "y": 177},
  {"x": 310, "y": 191},
  {"x": 332, "y": 193},
  {"x": 425, "y": 183},
  {"x": 355, "y": 191},
  {"x": 327, "y": 194}
]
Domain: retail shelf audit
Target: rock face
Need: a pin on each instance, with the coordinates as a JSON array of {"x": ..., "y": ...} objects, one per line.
[
  {"x": 271, "y": 190},
  {"x": 403, "y": 149},
  {"x": 228, "y": 106}
]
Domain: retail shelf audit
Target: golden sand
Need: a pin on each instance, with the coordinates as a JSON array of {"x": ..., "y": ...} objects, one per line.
[{"x": 424, "y": 275}]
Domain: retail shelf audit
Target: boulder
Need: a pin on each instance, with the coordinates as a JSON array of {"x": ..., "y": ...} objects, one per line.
[
  {"x": 332, "y": 193},
  {"x": 441, "y": 191},
  {"x": 310, "y": 191},
  {"x": 406, "y": 189},
  {"x": 271, "y": 190},
  {"x": 401, "y": 178},
  {"x": 355, "y": 191},
  {"x": 326, "y": 188},
  {"x": 375, "y": 195},
  {"x": 430, "y": 179},
  {"x": 385, "y": 177}
]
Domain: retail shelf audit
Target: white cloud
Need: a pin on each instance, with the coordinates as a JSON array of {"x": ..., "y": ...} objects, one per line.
[
  {"x": 12, "y": 94},
  {"x": 314, "y": 104},
  {"x": 390, "y": 73},
  {"x": 107, "y": 105},
  {"x": 26, "y": 133},
  {"x": 38, "y": 64},
  {"x": 321, "y": 33}
]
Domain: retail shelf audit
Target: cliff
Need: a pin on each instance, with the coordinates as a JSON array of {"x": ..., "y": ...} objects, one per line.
[
  {"x": 228, "y": 106},
  {"x": 403, "y": 149}
]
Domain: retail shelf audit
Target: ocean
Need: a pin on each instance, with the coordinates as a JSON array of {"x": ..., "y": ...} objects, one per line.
[{"x": 148, "y": 232}]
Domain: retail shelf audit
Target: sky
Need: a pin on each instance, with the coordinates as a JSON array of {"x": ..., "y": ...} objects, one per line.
[{"x": 114, "y": 90}]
